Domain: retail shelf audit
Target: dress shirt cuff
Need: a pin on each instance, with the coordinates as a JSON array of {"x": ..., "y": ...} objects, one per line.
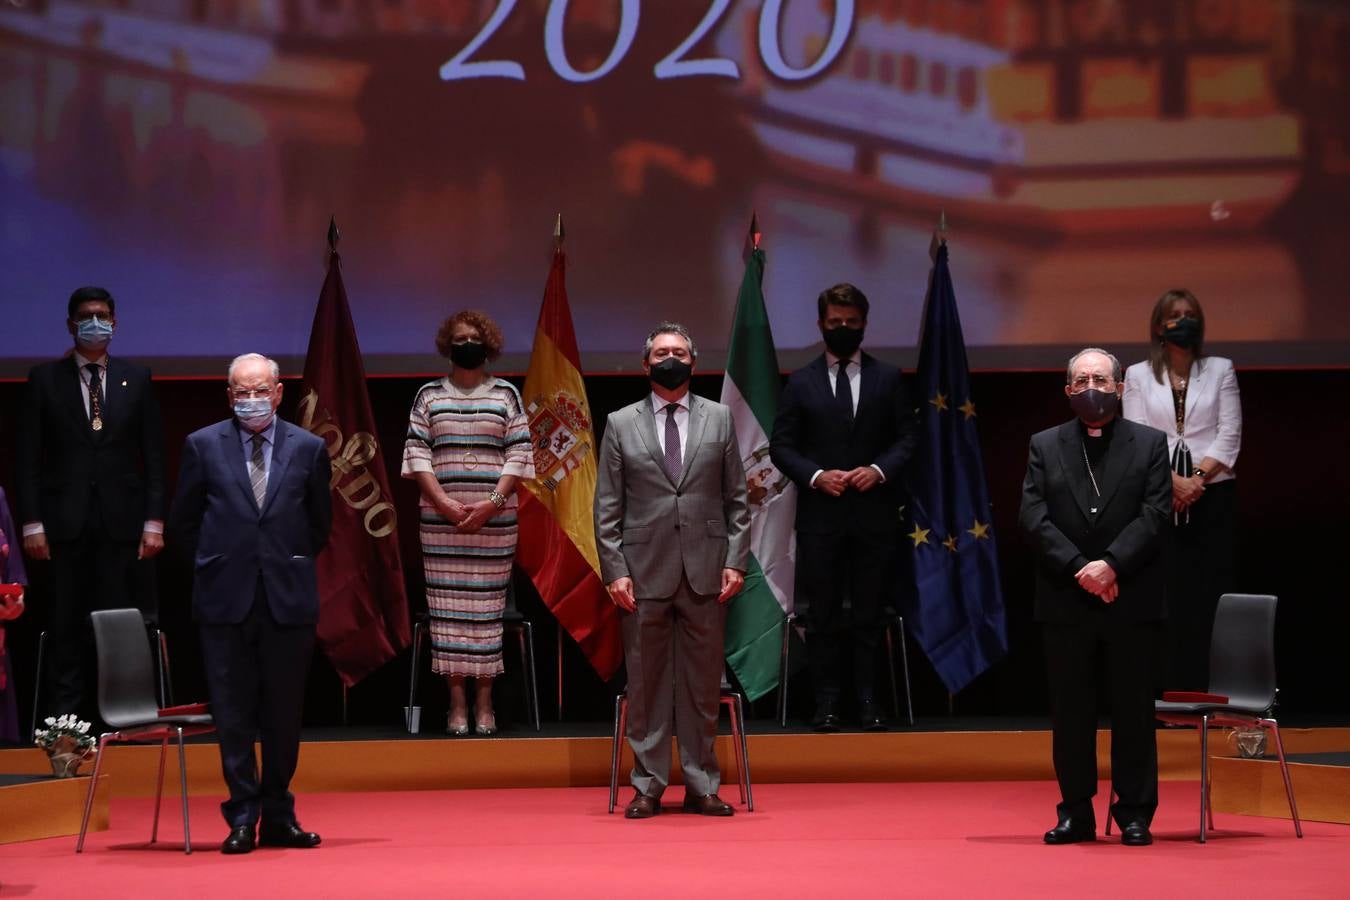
[
  {"x": 153, "y": 526},
  {"x": 32, "y": 528},
  {"x": 879, "y": 472},
  {"x": 812, "y": 482}
]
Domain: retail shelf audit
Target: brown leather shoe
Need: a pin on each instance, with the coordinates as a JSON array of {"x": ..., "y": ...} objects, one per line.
[
  {"x": 642, "y": 807},
  {"x": 710, "y": 805}
]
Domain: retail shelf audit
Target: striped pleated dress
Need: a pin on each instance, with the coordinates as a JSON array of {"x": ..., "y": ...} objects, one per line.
[{"x": 467, "y": 439}]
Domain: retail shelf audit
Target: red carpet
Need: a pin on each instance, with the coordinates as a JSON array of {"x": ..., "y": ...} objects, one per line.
[{"x": 952, "y": 839}]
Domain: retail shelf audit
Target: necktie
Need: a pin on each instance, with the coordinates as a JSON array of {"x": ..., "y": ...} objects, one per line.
[
  {"x": 843, "y": 392},
  {"x": 95, "y": 397},
  {"x": 257, "y": 471},
  {"x": 674, "y": 465}
]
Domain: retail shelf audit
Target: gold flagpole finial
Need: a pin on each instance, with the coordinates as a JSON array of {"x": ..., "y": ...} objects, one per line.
[{"x": 559, "y": 233}]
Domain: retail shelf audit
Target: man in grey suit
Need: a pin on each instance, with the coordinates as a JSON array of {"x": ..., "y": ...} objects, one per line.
[{"x": 672, "y": 526}]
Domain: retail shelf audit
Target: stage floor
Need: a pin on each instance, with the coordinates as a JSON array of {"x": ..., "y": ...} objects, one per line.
[{"x": 804, "y": 840}]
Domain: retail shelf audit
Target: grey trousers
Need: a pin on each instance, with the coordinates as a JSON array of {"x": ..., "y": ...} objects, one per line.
[{"x": 673, "y": 650}]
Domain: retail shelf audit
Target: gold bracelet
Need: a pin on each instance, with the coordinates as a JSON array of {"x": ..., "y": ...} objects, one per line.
[{"x": 498, "y": 500}]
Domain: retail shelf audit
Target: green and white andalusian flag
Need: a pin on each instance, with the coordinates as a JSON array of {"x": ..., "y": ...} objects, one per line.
[{"x": 751, "y": 387}]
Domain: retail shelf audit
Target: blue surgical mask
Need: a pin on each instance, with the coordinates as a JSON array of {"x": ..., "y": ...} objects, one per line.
[
  {"x": 93, "y": 333},
  {"x": 253, "y": 412}
]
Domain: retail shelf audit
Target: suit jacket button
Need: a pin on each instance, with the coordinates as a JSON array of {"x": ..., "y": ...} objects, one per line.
[
  {"x": 679, "y": 493},
  {"x": 677, "y": 526}
]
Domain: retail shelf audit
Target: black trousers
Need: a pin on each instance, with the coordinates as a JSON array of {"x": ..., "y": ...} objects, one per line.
[
  {"x": 1074, "y": 655},
  {"x": 94, "y": 571},
  {"x": 1202, "y": 566},
  {"x": 255, "y": 675},
  {"x": 833, "y": 569}
]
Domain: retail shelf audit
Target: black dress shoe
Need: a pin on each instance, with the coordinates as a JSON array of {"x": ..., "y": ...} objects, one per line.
[
  {"x": 1135, "y": 834},
  {"x": 1071, "y": 831},
  {"x": 826, "y": 720},
  {"x": 869, "y": 716},
  {"x": 707, "y": 805},
  {"x": 239, "y": 841},
  {"x": 288, "y": 835},
  {"x": 642, "y": 807}
]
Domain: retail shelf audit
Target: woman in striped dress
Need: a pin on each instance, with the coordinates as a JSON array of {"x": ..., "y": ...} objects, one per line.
[{"x": 468, "y": 445}]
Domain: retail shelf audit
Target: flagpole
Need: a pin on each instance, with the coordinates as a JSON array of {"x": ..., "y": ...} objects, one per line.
[{"x": 559, "y": 235}]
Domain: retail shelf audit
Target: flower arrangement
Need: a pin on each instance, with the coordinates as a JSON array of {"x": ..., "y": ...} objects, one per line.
[{"x": 68, "y": 743}]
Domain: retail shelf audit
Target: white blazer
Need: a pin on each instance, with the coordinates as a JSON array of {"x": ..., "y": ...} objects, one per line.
[{"x": 1213, "y": 409}]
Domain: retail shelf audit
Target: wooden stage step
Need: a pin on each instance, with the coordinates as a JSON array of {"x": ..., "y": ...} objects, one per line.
[
  {"x": 40, "y": 806},
  {"x": 387, "y": 762},
  {"x": 1255, "y": 787}
]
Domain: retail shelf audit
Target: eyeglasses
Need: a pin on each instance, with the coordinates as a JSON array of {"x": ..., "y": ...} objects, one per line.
[
  {"x": 1083, "y": 382},
  {"x": 251, "y": 393}
]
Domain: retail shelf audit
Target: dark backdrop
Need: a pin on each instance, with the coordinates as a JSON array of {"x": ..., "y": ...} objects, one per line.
[{"x": 1292, "y": 529}]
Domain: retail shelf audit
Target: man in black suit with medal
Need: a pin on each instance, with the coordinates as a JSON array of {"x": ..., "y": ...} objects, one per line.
[
  {"x": 1095, "y": 507},
  {"x": 90, "y": 467},
  {"x": 843, "y": 434}
]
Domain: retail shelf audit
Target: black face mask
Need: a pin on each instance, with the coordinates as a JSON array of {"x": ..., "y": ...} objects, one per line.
[
  {"x": 468, "y": 356},
  {"x": 1184, "y": 332},
  {"x": 670, "y": 373},
  {"x": 1093, "y": 406},
  {"x": 843, "y": 341}
]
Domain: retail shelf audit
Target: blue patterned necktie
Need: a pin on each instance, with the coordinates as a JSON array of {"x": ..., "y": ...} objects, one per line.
[{"x": 674, "y": 465}]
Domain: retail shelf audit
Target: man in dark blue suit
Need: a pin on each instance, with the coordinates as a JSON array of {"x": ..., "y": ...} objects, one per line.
[
  {"x": 844, "y": 431},
  {"x": 90, "y": 466},
  {"x": 253, "y": 510}
]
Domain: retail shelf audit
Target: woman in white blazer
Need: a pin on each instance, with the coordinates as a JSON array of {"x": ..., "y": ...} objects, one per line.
[{"x": 1193, "y": 399}]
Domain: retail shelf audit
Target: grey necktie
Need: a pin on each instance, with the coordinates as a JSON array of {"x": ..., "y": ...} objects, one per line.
[
  {"x": 673, "y": 462},
  {"x": 257, "y": 471}
]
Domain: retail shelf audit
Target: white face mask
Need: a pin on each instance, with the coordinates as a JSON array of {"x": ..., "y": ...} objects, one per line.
[
  {"x": 253, "y": 412},
  {"x": 93, "y": 333}
]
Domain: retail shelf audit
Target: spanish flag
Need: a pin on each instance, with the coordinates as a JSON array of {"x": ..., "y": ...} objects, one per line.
[{"x": 557, "y": 537}]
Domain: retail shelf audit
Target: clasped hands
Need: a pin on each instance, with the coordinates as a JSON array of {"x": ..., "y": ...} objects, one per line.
[
  {"x": 621, "y": 589},
  {"x": 1099, "y": 579},
  {"x": 835, "y": 481},
  {"x": 467, "y": 517},
  {"x": 1186, "y": 490}
]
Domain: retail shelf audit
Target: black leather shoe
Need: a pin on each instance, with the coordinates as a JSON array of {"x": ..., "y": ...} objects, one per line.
[
  {"x": 1071, "y": 831},
  {"x": 826, "y": 720},
  {"x": 239, "y": 841},
  {"x": 708, "y": 805},
  {"x": 289, "y": 835},
  {"x": 642, "y": 807},
  {"x": 869, "y": 716},
  {"x": 1135, "y": 834}
]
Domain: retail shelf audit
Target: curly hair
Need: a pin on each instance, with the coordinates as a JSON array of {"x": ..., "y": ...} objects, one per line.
[{"x": 491, "y": 334}]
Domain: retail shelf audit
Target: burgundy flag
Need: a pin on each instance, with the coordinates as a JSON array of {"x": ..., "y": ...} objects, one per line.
[{"x": 363, "y": 606}]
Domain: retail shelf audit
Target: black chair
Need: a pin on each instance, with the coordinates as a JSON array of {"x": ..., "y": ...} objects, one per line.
[
  {"x": 127, "y": 702},
  {"x": 1241, "y": 689},
  {"x": 513, "y": 622},
  {"x": 735, "y": 705},
  {"x": 895, "y": 637},
  {"x": 162, "y": 678}
]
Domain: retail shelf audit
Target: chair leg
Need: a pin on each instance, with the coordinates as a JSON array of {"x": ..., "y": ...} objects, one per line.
[
  {"x": 412, "y": 675},
  {"x": 89, "y": 795},
  {"x": 620, "y": 720},
  {"x": 164, "y": 681},
  {"x": 1284, "y": 769},
  {"x": 1110, "y": 802},
  {"x": 888, "y": 635},
  {"x": 783, "y": 673},
  {"x": 745, "y": 757},
  {"x": 37, "y": 682},
  {"x": 159, "y": 787},
  {"x": 904, "y": 665},
  {"x": 531, "y": 677},
  {"x": 1204, "y": 773},
  {"x": 729, "y": 701},
  {"x": 182, "y": 785}
]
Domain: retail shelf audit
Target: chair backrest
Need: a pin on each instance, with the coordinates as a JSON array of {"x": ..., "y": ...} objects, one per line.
[
  {"x": 126, "y": 676},
  {"x": 1242, "y": 651}
]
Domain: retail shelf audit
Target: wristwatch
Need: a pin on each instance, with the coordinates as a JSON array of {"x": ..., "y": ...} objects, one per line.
[{"x": 1200, "y": 472}]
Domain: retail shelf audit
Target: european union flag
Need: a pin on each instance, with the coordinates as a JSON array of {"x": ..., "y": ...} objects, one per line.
[{"x": 958, "y": 616}]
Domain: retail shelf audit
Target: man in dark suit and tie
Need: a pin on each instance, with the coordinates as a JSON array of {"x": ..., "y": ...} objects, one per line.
[
  {"x": 844, "y": 431},
  {"x": 1096, "y": 503},
  {"x": 672, "y": 526},
  {"x": 90, "y": 466},
  {"x": 253, "y": 510}
]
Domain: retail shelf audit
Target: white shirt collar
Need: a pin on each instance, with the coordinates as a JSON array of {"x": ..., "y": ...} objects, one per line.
[
  {"x": 81, "y": 361},
  {"x": 659, "y": 405},
  {"x": 831, "y": 361}
]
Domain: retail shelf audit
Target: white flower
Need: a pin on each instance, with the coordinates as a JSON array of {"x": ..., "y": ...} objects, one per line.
[
  {"x": 84, "y": 728},
  {"x": 49, "y": 721}
]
